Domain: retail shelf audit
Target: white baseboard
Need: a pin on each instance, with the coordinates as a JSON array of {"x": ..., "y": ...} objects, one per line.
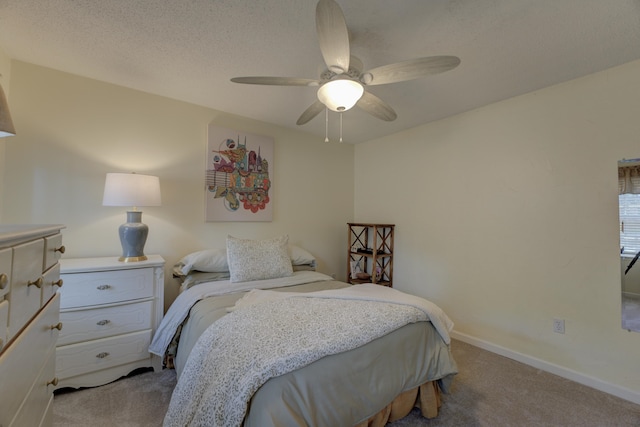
[{"x": 621, "y": 392}]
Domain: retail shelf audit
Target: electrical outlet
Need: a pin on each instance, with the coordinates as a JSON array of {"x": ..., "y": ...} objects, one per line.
[{"x": 558, "y": 326}]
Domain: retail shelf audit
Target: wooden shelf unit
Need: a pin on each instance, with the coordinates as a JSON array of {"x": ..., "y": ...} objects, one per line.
[{"x": 378, "y": 238}]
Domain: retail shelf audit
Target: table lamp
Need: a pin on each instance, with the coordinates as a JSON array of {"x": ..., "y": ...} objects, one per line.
[{"x": 132, "y": 189}]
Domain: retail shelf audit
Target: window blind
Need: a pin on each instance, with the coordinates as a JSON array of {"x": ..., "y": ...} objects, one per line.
[{"x": 629, "y": 223}]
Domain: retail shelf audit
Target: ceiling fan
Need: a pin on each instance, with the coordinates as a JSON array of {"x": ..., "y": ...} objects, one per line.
[{"x": 342, "y": 84}]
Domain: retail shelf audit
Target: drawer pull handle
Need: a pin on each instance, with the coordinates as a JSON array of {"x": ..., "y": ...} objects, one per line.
[
  {"x": 4, "y": 281},
  {"x": 102, "y": 355},
  {"x": 58, "y": 326},
  {"x": 104, "y": 287},
  {"x": 37, "y": 283},
  {"x": 61, "y": 249},
  {"x": 53, "y": 382},
  {"x": 103, "y": 322},
  {"x": 58, "y": 283}
]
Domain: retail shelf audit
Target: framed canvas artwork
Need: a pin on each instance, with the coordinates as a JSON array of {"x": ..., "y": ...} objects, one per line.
[{"x": 238, "y": 176}]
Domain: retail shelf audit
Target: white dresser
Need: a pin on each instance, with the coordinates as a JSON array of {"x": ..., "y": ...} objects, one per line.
[
  {"x": 110, "y": 310},
  {"x": 29, "y": 322}
]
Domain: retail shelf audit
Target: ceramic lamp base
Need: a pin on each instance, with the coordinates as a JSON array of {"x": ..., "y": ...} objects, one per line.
[{"x": 133, "y": 236}]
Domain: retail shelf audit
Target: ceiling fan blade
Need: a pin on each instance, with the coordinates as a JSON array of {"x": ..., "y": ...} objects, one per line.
[
  {"x": 409, "y": 70},
  {"x": 376, "y": 107},
  {"x": 333, "y": 36},
  {"x": 313, "y": 110},
  {"x": 276, "y": 81}
]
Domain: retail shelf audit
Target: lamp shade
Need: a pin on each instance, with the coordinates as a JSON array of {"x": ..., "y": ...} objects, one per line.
[
  {"x": 131, "y": 189},
  {"x": 6, "y": 124},
  {"x": 340, "y": 94}
]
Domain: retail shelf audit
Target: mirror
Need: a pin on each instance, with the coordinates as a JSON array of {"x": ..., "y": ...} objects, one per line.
[{"x": 629, "y": 215}]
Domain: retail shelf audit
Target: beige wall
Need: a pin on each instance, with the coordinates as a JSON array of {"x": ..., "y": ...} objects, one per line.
[
  {"x": 5, "y": 79},
  {"x": 506, "y": 217},
  {"x": 72, "y": 131}
]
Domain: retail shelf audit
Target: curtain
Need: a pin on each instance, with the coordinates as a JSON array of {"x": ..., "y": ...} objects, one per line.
[{"x": 629, "y": 179}]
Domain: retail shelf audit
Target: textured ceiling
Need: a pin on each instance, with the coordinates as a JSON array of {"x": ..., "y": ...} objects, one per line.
[{"x": 189, "y": 49}]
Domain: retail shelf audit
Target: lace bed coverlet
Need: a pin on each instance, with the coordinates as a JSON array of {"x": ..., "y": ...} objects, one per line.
[{"x": 258, "y": 341}]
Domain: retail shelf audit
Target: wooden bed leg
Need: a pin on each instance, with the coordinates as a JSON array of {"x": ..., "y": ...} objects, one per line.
[{"x": 429, "y": 399}]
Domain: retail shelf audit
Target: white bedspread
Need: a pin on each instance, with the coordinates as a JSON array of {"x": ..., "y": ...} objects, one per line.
[
  {"x": 183, "y": 303},
  {"x": 367, "y": 292},
  {"x": 269, "y": 335}
]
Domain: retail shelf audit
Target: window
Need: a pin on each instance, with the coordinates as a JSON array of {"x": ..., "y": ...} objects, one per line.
[
  {"x": 629, "y": 223},
  {"x": 629, "y": 203}
]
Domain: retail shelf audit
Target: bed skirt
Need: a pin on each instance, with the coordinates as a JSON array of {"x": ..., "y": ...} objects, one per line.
[{"x": 426, "y": 397}]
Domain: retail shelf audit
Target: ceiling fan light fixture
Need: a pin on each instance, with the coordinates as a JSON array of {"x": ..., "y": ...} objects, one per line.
[
  {"x": 366, "y": 78},
  {"x": 340, "y": 94}
]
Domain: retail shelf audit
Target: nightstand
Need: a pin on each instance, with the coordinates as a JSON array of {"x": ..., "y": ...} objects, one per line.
[{"x": 109, "y": 311}]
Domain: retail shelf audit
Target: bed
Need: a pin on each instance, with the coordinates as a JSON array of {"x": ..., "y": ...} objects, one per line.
[{"x": 259, "y": 338}]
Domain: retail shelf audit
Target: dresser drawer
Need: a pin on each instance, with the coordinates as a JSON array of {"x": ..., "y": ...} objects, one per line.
[
  {"x": 91, "y": 356},
  {"x": 4, "y": 318},
  {"x": 22, "y": 362},
  {"x": 85, "y": 325},
  {"x": 34, "y": 407},
  {"x": 25, "y": 295},
  {"x": 53, "y": 249},
  {"x": 5, "y": 271},
  {"x": 51, "y": 283},
  {"x": 47, "y": 418},
  {"x": 104, "y": 287}
]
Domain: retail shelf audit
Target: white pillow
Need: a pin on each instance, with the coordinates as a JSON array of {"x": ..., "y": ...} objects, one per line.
[
  {"x": 258, "y": 259},
  {"x": 208, "y": 260},
  {"x": 215, "y": 261},
  {"x": 301, "y": 257}
]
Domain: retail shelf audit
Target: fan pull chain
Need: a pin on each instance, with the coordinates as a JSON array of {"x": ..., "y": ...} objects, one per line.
[
  {"x": 341, "y": 127},
  {"x": 326, "y": 125}
]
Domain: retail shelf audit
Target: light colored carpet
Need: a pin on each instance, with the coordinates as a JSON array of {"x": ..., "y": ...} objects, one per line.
[{"x": 490, "y": 390}]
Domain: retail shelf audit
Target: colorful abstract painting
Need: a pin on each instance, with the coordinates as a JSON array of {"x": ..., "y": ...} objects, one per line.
[{"x": 238, "y": 176}]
